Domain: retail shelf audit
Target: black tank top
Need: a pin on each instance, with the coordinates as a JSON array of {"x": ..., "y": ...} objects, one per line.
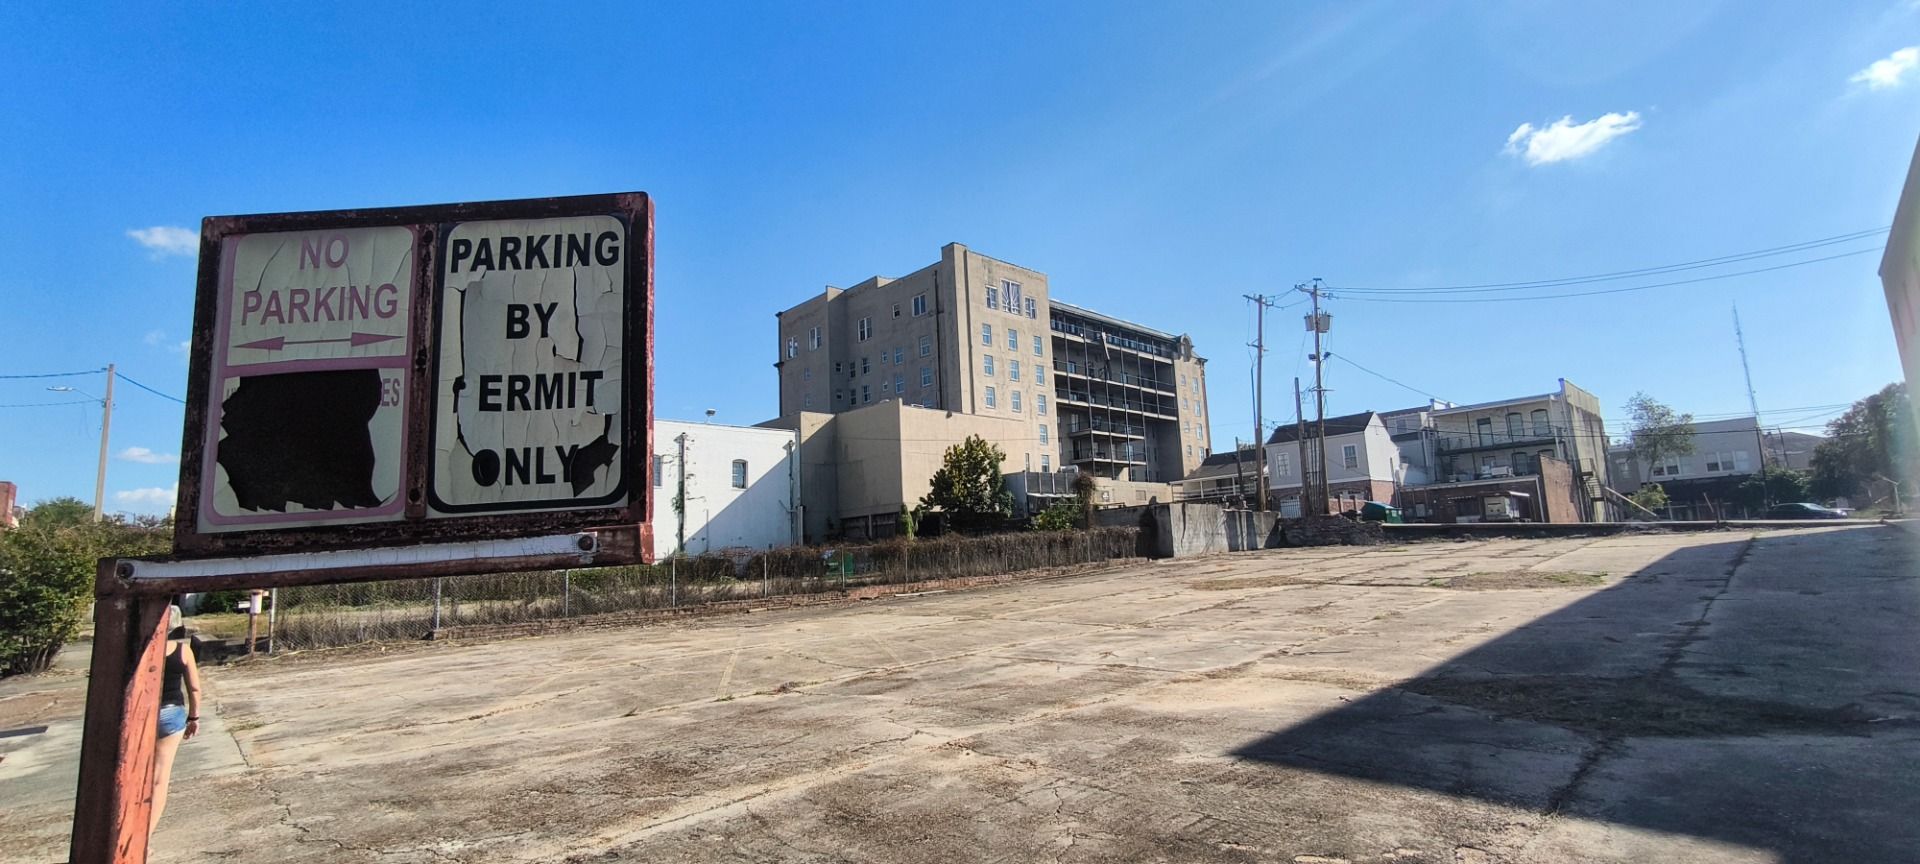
[{"x": 173, "y": 681}]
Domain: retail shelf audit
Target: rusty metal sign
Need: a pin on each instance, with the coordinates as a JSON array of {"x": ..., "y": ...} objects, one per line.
[{"x": 367, "y": 378}]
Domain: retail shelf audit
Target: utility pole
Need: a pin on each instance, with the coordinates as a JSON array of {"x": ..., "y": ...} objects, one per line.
[
  {"x": 1319, "y": 322},
  {"x": 1753, "y": 402},
  {"x": 1260, "y": 305},
  {"x": 1300, "y": 438},
  {"x": 680, "y": 501},
  {"x": 106, "y": 423}
]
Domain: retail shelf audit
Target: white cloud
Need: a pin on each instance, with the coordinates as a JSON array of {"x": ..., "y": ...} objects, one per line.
[
  {"x": 166, "y": 240},
  {"x": 158, "y": 339},
  {"x": 152, "y": 496},
  {"x": 1888, "y": 71},
  {"x": 147, "y": 457},
  {"x": 1564, "y": 139}
]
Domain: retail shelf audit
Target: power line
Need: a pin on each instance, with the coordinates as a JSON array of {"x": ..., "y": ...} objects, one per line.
[
  {"x": 56, "y": 374},
  {"x": 122, "y": 376},
  {"x": 51, "y": 404},
  {"x": 1343, "y": 358},
  {"x": 1378, "y": 299},
  {"x": 1644, "y": 271}
]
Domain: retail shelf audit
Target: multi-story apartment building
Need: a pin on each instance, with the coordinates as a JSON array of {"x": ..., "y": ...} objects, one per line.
[{"x": 974, "y": 335}]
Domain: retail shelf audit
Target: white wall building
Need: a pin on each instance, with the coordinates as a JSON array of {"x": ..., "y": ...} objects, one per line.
[
  {"x": 741, "y": 488},
  {"x": 1362, "y": 463}
]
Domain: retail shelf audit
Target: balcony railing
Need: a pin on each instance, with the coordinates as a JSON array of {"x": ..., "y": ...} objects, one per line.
[
  {"x": 1102, "y": 424},
  {"x": 1446, "y": 442},
  {"x": 1105, "y": 401},
  {"x": 1113, "y": 339}
]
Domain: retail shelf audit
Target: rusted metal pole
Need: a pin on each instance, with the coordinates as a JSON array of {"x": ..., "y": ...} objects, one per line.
[{"x": 113, "y": 806}]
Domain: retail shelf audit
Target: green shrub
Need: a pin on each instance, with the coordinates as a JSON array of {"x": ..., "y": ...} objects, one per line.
[
  {"x": 46, "y": 581},
  {"x": 1059, "y": 517}
]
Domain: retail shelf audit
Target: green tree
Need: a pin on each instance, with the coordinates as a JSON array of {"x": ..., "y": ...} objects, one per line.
[
  {"x": 1777, "y": 485},
  {"x": 1657, "y": 432},
  {"x": 1060, "y": 517},
  {"x": 969, "y": 487},
  {"x": 1084, "y": 488},
  {"x": 1651, "y": 496},
  {"x": 1875, "y": 437},
  {"x": 46, "y": 578},
  {"x": 56, "y": 512}
]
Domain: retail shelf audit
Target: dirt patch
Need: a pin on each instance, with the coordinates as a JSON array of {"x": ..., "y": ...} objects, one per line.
[
  {"x": 1635, "y": 707},
  {"x": 1254, "y": 582},
  {"x": 1506, "y": 580}
]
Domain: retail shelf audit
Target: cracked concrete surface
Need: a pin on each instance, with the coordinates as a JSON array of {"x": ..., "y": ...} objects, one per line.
[{"x": 1718, "y": 697}]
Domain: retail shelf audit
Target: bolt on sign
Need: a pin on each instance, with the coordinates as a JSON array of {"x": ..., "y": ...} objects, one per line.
[{"x": 364, "y": 377}]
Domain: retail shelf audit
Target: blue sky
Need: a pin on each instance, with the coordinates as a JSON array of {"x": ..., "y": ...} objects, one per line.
[{"x": 1157, "y": 161}]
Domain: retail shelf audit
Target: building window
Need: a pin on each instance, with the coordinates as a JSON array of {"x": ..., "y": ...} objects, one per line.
[
  {"x": 990, "y": 398},
  {"x": 866, "y": 393},
  {"x": 807, "y": 401},
  {"x": 1013, "y": 370},
  {"x": 1040, "y": 404},
  {"x": 806, "y": 374},
  {"x": 1539, "y": 417},
  {"x": 1032, "y": 309},
  {"x": 1037, "y": 347},
  {"x": 993, "y": 297},
  {"x": 1183, "y": 381},
  {"x": 1046, "y": 462},
  {"x": 1484, "y": 426},
  {"x": 883, "y": 358},
  {"x": 1515, "y": 428},
  {"x": 739, "y": 473},
  {"x": 1189, "y": 450},
  {"x": 865, "y": 366},
  {"x": 926, "y": 345},
  {"x": 1349, "y": 455},
  {"x": 813, "y": 340},
  {"x": 1039, "y": 374},
  {"x": 986, "y": 365},
  {"x": 896, "y": 310},
  {"x": 899, "y": 383},
  {"x": 1015, "y": 402},
  {"x": 793, "y": 348},
  {"x": 837, "y": 394},
  {"x": 1012, "y": 290},
  {"x": 926, "y": 376},
  {"x": 1013, "y": 340},
  {"x": 899, "y": 354},
  {"x": 1043, "y": 426},
  {"x": 1283, "y": 466},
  {"x": 866, "y": 329},
  {"x": 986, "y": 335},
  {"x": 836, "y": 367},
  {"x": 1520, "y": 461},
  {"x": 659, "y": 470},
  {"x": 919, "y": 305}
]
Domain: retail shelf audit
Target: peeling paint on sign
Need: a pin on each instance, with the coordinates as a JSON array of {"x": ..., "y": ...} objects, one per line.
[
  {"x": 310, "y": 379},
  {"x": 528, "y": 412}
]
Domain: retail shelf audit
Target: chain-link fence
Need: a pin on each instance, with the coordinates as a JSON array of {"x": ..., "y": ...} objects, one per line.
[{"x": 320, "y": 616}]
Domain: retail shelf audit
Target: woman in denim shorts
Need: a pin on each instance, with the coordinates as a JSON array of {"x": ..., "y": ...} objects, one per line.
[{"x": 179, "y": 710}]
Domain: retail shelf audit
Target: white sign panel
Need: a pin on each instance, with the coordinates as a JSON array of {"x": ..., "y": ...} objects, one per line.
[
  {"x": 310, "y": 376},
  {"x": 528, "y": 414}
]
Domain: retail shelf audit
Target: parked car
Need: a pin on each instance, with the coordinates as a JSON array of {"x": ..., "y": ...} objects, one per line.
[{"x": 1803, "y": 510}]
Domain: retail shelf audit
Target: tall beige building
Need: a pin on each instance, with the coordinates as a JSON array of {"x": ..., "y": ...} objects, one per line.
[{"x": 974, "y": 335}]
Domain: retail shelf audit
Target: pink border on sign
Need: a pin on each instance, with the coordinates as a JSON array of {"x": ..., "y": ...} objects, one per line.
[{"x": 216, "y": 395}]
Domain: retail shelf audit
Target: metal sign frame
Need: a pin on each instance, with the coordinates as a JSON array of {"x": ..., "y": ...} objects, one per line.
[{"x": 431, "y": 225}]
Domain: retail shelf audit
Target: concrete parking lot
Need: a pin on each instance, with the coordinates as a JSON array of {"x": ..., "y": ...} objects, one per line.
[{"x": 1714, "y": 697}]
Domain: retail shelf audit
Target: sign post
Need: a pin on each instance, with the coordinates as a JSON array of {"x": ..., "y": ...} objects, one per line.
[{"x": 411, "y": 392}]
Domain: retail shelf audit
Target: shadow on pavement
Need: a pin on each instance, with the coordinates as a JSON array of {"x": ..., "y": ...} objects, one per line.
[{"x": 1760, "y": 692}]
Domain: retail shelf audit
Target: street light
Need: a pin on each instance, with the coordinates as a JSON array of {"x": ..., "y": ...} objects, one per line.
[{"x": 106, "y": 422}]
